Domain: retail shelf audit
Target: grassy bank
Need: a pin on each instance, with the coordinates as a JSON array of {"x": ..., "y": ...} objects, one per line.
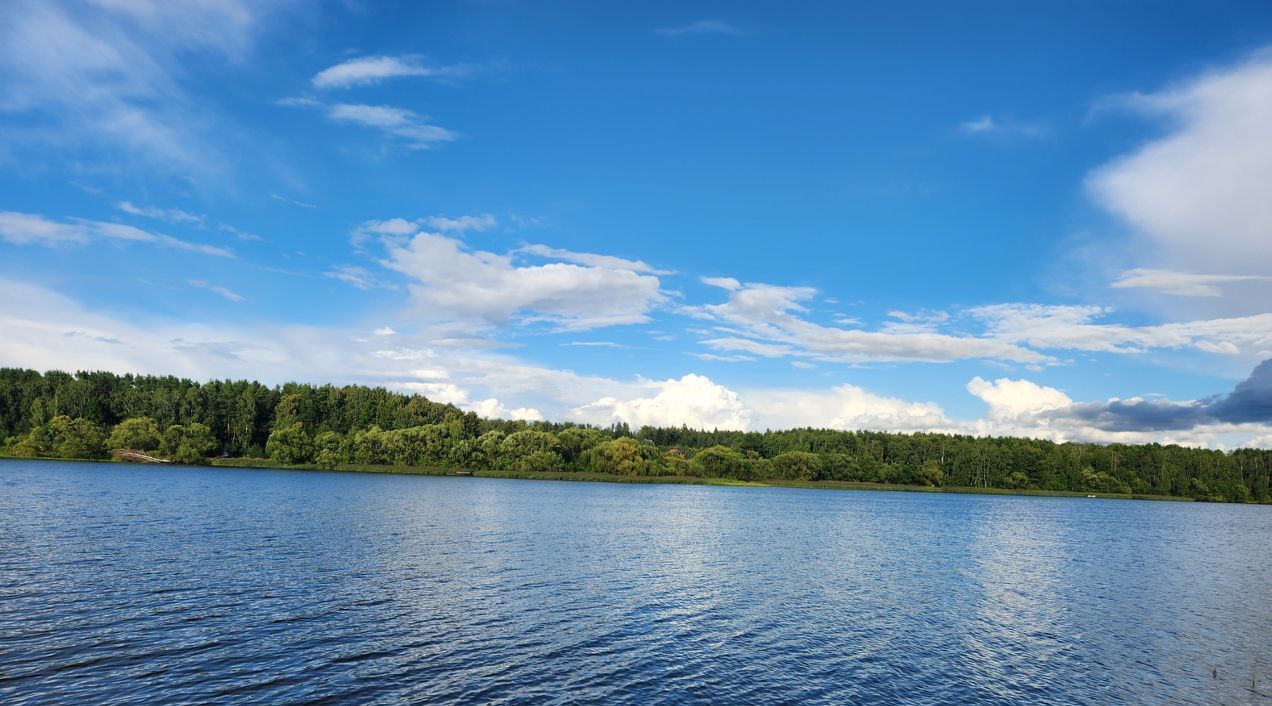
[
  {"x": 613, "y": 478},
  {"x": 677, "y": 480}
]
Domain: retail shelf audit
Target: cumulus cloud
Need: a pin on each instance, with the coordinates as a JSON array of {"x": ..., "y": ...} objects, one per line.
[
  {"x": 493, "y": 409},
  {"x": 1249, "y": 401},
  {"x": 844, "y": 407},
  {"x": 1197, "y": 195},
  {"x": 32, "y": 229},
  {"x": 692, "y": 400},
  {"x": 38, "y": 322},
  {"x": 1025, "y": 408},
  {"x": 453, "y": 282},
  {"x": 1184, "y": 284},
  {"x": 375, "y": 69}
]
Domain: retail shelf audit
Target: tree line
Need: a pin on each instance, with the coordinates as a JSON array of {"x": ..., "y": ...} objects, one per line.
[{"x": 89, "y": 414}]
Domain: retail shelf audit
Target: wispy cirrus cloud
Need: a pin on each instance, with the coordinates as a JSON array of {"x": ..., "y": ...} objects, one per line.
[
  {"x": 368, "y": 70},
  {"x": 32, "y": 229},
  {"x": 592, "y": 259},
  {"x": 1079, "y": 328},
  {"x": 701, "y": 27},
  {"x": 771, "y": 321},
  {"x": 105, "y": 79},
  {"x": 1005, "y": 127},
  {"x": 412, "y": 129},
  {"x": 1184, "y": 284},
  {"x": 175, "y": 216},
  {"x": 359, "y": 277},
  {"x": 216, "y": 289},
  {"x": 293, "y": 202}
]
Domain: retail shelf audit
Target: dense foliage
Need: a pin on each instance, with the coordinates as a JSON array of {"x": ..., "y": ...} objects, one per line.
[{"x": 89, "y": 414}]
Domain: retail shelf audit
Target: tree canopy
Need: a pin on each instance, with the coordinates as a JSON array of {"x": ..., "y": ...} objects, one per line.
[{"x": 89, "y": 414}]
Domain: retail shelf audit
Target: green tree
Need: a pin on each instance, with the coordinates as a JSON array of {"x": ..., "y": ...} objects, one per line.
[
  {"x": 624, "y": 456},
  {"x": 930, "y": 473},
  {"x": 796, "y": 465},
  {"x": 289, "y": 444},
  {"x": 720, "y": 461},
  {"x": 138, "y": 433},
  {"x": 530, "y": 451},
  {"x": 188, "y": 443},
  {"x": 75, "y": 438}
]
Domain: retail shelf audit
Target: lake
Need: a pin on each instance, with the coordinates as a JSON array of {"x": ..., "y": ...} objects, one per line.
[{"x": 161, "y": 585}]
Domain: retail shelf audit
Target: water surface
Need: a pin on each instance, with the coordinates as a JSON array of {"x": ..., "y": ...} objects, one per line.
[{"x": 144, "y": 585}]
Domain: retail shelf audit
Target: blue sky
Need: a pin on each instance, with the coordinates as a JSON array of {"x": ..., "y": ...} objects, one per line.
[{"x": 985, "y": 218}]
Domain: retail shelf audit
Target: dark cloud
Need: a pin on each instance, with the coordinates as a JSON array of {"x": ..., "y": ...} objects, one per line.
[
  {"x": 1250, "y": 401},
  {"x": 1138, "y": 415}
]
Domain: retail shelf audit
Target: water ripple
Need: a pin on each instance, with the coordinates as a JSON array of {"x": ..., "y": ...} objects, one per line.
[{"x": 131, "y": 585}]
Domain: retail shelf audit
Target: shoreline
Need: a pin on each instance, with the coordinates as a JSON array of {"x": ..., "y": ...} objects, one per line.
[{"x": 585, "y": 477}]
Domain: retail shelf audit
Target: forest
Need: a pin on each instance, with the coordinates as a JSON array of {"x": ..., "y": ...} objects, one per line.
[{"x": 89, "y": 414}]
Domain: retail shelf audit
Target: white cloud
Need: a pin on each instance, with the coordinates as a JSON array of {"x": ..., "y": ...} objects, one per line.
[
  {"x": 1011, "y": 398},
  {"x": 773, "y": 315},
  {"x": 358, "y": 277},
  {"x": 920, "y": 317},
  {"x": 452, "y": 282},
  {"x": 843, "y": 407},
  {"x": 385, "y": 331},
  {"x": 1197, "y": 195},
  {"x": 1183, "y": 284},
  {"x": 223, "y": 291},
  {"x": 480, "y": 222},
  {"x": 413, "y": 130},
  {"x": 1075, "y": 328},
  {"x": 716, "y": 358},
  {"x": 104, "y": 78},
  {"x": 237, "y": 233},
  {"x": 1024, "y": 408},
  {"x": 375, "y": 69},
  {"x": 169, "y": 215},
  {"x": 493, "y": 409},
  {"x": 293, "y": 202},
  {"x": 728, "y": 283},
  {"x": 591, "y": 259},
  {"x": 693, "y": 400},
  {"x": 45, "y": 330},
  {"x": 31, "y": 229},
  {"x": 745, "y": 345},
  {"x": 701, "y": 27},
  {"x": 1003, "y": 127}
]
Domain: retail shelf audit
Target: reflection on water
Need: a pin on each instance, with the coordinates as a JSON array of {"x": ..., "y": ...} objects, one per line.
[{"x": 141, "y": 585}]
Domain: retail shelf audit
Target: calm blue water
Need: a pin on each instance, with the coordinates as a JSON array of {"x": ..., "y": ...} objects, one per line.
[{"x": 142, "y": 585}]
